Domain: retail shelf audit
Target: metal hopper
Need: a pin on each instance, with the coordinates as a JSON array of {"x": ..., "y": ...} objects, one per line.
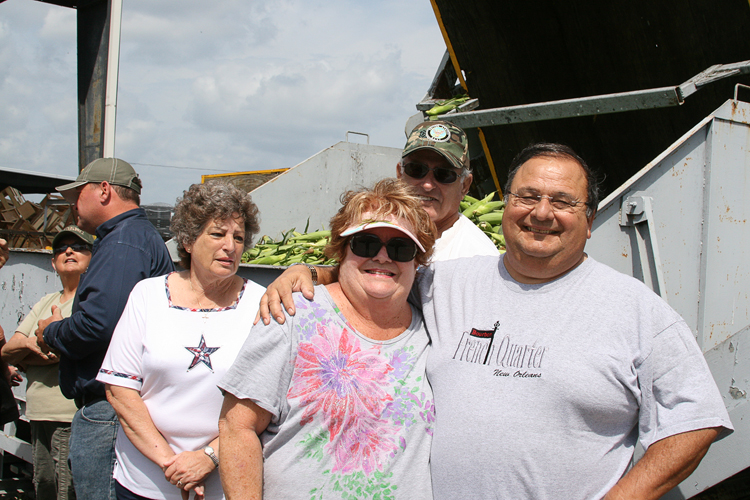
[{"x": 680, "y": 224}]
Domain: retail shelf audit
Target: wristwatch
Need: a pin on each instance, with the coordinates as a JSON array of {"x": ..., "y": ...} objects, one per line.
[
  {"x": 313, "y": 271},
  {"x": 210, "y": 452}
]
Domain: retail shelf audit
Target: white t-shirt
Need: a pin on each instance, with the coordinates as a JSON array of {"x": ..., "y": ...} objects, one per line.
[
  {"x": 463, "y": 239},
  {"x": 541, "y": 391},
  {"x": 174, "y": 357}
]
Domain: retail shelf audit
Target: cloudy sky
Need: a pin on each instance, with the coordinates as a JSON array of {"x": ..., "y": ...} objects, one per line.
[{"x": 222, "y": 86}]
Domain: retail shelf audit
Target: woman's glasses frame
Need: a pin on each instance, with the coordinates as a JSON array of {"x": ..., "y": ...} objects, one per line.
[
  {"x": 76, "y": 247},
  {"x": 368, "y": 245}
]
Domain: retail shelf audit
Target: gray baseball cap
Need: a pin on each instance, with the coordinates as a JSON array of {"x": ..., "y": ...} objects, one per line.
[{"x": 116, "y": 172}]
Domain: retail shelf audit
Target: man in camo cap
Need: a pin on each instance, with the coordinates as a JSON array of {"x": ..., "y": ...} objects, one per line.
[{"x": 435, "y": 162}]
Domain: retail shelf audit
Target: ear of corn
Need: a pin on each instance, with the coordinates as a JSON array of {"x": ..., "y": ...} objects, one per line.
[
  {"x": 487, "y": 215},
  {"x": 296, "y": 247},
  {"x": 293, "y": 247},
  {"x": 444, "y": 106}
]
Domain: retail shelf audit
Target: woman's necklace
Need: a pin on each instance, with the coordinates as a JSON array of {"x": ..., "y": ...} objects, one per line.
[{"x": 203, "y": 309}]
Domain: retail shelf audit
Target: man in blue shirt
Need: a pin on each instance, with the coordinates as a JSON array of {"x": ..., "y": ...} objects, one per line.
[{"x": 106, "y": 197}]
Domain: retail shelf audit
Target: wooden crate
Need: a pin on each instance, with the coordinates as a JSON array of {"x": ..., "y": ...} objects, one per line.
[{"x": 26, "y": 224}]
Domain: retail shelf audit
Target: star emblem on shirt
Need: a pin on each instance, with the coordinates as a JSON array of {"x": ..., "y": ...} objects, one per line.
[{"x": 202, "y": 354}]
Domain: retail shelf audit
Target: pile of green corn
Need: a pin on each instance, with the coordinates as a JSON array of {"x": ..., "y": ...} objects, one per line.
[
  {"x": 487, "y": 215},
  {"x": 293, "y": 247},
  {"x": 296, "y": 247}
]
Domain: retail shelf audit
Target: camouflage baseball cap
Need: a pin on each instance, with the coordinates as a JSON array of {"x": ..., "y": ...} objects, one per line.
[
  {"x": 76, "y": 231},
  {"x": 442, "y": 137},
  {"x": 116, "y": 172}
]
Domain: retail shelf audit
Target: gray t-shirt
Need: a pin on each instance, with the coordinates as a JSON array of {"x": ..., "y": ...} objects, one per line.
[
  {"x": 352, "y": 417},
  {"x": 541, "y": 391}
]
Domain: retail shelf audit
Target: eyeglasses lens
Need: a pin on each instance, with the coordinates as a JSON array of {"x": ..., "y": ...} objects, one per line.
[
  {"x": 76, "y": 247},
  {"x": 441, "y": 174},
  {"x": 368, "y": 246}
]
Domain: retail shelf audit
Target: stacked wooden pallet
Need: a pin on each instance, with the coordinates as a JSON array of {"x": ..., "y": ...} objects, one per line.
[{"x": 26, "y": 224}]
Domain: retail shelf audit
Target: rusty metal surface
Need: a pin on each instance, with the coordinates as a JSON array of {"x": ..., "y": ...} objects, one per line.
[{"x": 700, "y": 195}]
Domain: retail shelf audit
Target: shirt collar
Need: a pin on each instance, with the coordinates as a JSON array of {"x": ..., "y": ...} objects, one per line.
[{"x": 107, "y": 227}]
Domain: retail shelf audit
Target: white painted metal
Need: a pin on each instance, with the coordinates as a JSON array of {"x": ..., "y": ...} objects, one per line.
[
  {"x": 314, "y": 187},
  {"x": 113, "y": 68},
  {"x": 697, "y": 250},
  {"x": 27, "y": 277}
]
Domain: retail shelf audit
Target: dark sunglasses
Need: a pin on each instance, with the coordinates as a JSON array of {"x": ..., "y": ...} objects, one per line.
[
  {"x": 442, "y": 175},
  {"x": 76, "y": 247},
  {"x": 368, "y": 245}
]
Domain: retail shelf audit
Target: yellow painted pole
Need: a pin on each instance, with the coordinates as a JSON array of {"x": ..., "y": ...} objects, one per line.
[
  {"x": 448, "y": 44},
  {"x": 457, "y": 68}
]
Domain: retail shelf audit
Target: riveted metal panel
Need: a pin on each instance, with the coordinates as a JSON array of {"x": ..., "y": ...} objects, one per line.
[{"x": 700, "y": 197}]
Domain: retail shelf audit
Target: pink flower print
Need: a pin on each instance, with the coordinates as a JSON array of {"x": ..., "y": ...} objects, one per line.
[{"x": 345, "y": 386}]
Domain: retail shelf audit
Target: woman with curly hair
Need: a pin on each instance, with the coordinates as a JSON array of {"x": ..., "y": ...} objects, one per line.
[{"x": 177, "y": 336}]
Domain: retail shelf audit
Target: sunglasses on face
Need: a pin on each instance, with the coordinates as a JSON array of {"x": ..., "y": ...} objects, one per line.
[
  {"x": 368, "y": 245},
  {"x": 441, "y": 174},
  {"x": 76, "y": 247}
]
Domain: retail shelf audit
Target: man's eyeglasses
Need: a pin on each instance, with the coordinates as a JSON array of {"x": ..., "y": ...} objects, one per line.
[
  {"x": 442, "y": 174},
  {"x": 557, "y": 204},
  {"x": 76, "y": 247},
  {"x": 368, "y": 245}
]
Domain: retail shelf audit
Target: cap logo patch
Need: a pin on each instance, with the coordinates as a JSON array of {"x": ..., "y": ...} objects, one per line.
[{"x": 438, "y": 133}]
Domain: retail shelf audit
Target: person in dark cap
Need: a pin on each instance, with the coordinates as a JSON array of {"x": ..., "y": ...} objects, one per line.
[
  {"x": 48, "y": 411},
  {"x": 106, "y": 198},
  {"x": 435, "y": 163}
]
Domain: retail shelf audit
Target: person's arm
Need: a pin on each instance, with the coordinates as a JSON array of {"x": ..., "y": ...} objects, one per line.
[
  {"x": 113, "y": 272},
  {"x": 294, "y": 279},
  {"x": 241, "y": 458},
  {"x": 137, "y": 424},
  {"x": 4, "y": 369},
  {"x": 21, "y": 349},
  {"x": 665, "y": 464},
  {"x": 4, "y": 252},
  {"x": 190, "y": 468}
]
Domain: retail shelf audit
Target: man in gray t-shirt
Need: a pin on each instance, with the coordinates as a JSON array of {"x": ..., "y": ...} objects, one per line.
[{"x": 547, "y": 367}]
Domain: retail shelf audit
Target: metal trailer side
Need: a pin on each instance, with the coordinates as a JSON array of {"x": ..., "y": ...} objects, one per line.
[
  {"x": 24, "y": 280},
  {"x": 680, "y": 224},
  {"x": 312, "y": 189}
]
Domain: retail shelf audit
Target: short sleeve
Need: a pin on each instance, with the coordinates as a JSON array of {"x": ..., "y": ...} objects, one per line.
[
  {"x": 264, "y": 366},
  {"x": 679, "y": 392},
  {"x": 122, "y": 366},
  {"x": 29, "y": 323}
]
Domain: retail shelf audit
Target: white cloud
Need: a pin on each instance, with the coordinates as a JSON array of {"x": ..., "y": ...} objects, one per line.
[{"x": 230, "y": 85}]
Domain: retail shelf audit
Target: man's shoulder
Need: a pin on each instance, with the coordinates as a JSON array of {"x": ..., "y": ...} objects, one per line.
[
  {"x": 463, "y": 239},
  {"x": 610, "y": 277},
  {"x": 464, "y": 269},
  {"x": 133, "y": 228},
  {"x": 465, "y": 227},
  {"x": 626, "y": 289},
  {"x": 135, "y": 221}
]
